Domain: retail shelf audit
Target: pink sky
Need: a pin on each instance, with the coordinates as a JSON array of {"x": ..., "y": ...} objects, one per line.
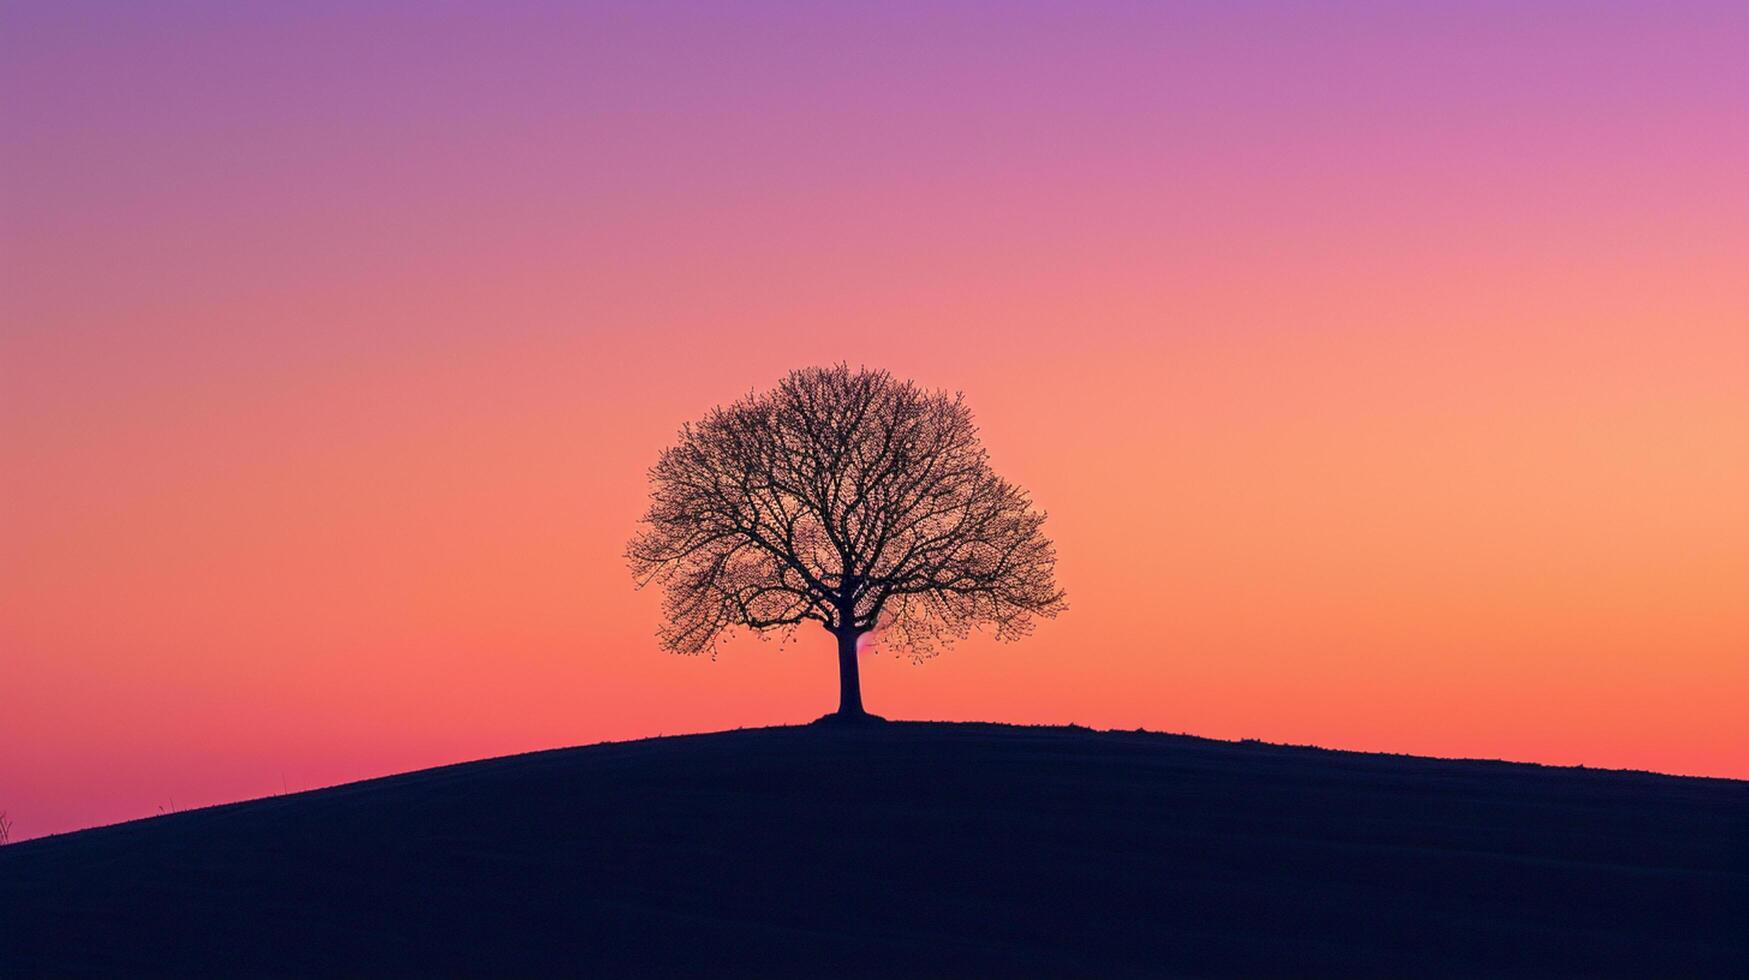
[{"x": 1384, "y": 368}]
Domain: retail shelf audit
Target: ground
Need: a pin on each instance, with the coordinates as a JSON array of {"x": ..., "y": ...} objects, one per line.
[{"x": 911, "y": 849}]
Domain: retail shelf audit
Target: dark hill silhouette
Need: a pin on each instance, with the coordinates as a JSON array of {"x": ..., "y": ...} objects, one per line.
[{"x": 912, "y": 849}]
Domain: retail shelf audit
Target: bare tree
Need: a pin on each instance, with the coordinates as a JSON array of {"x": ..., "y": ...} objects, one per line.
[
  {"x": 846, "y": 498},
  {"x": 5, "y": 828}
]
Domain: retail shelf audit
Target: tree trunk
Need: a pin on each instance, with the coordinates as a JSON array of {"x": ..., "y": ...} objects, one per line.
[{"x": 849, "y": 681}]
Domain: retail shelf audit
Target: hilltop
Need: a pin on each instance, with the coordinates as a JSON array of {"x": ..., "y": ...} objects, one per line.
[{"x": 911, "y": 849}]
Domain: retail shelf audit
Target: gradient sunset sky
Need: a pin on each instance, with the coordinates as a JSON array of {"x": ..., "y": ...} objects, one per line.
[{"x": 1384, "y": 368}]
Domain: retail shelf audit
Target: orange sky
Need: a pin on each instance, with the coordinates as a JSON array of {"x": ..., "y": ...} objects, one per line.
[{"x": 1385, "y": 375}]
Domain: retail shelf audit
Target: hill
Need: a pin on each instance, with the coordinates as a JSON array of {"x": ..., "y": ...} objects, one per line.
[{"x": 911, "y": 849}]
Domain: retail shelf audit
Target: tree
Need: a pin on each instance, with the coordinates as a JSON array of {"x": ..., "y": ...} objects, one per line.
[{"x": 849, "y": 499}]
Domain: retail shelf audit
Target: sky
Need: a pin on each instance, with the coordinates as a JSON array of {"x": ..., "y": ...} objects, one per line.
[{"x": 1383, "y": 368}]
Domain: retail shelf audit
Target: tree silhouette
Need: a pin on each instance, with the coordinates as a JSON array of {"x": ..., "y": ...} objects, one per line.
[{"x": 849, "y": 499}]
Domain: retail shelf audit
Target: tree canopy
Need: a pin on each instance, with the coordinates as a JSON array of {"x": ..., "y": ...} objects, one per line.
[{"x": 845, "y": 497}]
